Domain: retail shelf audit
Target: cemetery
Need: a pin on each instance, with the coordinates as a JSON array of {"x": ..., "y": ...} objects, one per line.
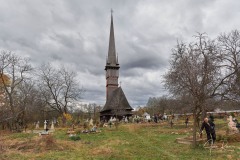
[
  {"x": 142, "y": 140},
  {"x": 63, "y": 95}
]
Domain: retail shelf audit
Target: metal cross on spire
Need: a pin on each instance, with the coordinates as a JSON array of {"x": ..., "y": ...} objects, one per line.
[{"x": 111, "y": 11}]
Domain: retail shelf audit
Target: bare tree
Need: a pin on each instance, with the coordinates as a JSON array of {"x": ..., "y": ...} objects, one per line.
[
  {"x": 158, "y": 104},
  {"x": 89, "y": 109},
  {"x": 230, "y": 47},
  {"x": 196, "y": 70},
  {"x": 59, "y": 88},
  {"x": 92, "y": 110},
  {"x": 30, "y": 102},
  {"x": 4, "y": 108},
  {"x": 16, "y": 69}
]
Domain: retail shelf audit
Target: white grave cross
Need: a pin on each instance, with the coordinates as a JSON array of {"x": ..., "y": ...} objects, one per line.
[{"x": 45, "y": 125}]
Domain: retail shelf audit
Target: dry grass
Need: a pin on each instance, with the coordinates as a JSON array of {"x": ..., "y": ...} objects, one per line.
[
  {"x": 36, "y": 145},
  {"x": 129, "y": 141},
  {"x": 101, "y": 151},
  {"x": 132, "y": 128}
]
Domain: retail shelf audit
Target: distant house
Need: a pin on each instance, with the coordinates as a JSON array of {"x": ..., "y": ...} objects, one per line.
[{"x": 146, "y": 116}]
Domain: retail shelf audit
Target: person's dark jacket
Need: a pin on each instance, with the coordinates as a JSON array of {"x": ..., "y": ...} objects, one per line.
[{"x": 209, "y": 127}]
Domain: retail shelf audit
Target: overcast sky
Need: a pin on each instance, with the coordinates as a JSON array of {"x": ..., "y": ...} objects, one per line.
[{"x": 75, "y": 33}]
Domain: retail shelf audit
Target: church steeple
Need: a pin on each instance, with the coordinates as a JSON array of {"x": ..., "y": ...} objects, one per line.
[
  {"x": 112, "y": 58},
  {"x": 112, "y": 66},
  {"x": 116, "y": 101}
]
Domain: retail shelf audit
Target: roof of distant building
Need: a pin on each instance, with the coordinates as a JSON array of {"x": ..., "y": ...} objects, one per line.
[{"x": 117, "y": 102}]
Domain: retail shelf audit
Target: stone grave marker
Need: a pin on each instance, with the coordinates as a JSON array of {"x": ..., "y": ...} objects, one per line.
[
  {"x": 52, "y": 126},
  {"x": 91, "y": 122},
  {"x": 37, "y": 125},
  {"x": 45, "y": 125},
  {"x": 232, "y": 129}
]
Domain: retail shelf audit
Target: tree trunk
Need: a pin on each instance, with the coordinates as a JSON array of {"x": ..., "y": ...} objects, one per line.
[
  {"x": 194, "y": 127},
  {"x": 204, "y": 112}
]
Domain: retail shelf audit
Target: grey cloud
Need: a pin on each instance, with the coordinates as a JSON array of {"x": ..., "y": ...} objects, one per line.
[
  {"x": 56, "y": 57},
  {"x": 76, "y": 33},
  {"x": 145, "y": 62}
]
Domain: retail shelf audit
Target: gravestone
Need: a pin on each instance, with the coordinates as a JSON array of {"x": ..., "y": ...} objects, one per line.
[
  {"x": 165, "y": 116},
  {"x": 37, "y": 125},
  {"x": 52, "y": 126},
  {"x": 105, "y": 125},
  {"x": 126, "y": 120},
  {"x": 111, "y": 119},
  {"x": 91, "y": 122},
  {"x": 110, "y": 122},
  {"x": 232, "y": 129},
  {"x": 45, "y": 125}
]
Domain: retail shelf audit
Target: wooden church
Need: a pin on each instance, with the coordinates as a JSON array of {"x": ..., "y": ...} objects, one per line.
[{"x": 116, "y": 102}]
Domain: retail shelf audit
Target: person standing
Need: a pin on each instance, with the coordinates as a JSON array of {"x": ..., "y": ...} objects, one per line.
[
  {"x": 209, "y": 127},
  {"x": 186, "y": 122}
]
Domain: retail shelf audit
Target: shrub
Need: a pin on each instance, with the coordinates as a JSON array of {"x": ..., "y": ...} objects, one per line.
[{"x": 75, "y": 138}]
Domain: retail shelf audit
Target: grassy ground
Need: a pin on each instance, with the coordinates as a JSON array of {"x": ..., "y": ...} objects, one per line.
[{"x": 129, "y": 141}]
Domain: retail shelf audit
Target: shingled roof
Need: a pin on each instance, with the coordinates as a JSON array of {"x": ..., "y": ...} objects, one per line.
[
  {"x": 112, "y": 59},
  {"x": 117, "y": 103}
]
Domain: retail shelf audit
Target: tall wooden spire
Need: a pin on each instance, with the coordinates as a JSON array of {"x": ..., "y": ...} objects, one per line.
[
  {"x": 116, "y": 102},
  {"x": 112, "y": 59},
  {"x": 112, "y": 65}
]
